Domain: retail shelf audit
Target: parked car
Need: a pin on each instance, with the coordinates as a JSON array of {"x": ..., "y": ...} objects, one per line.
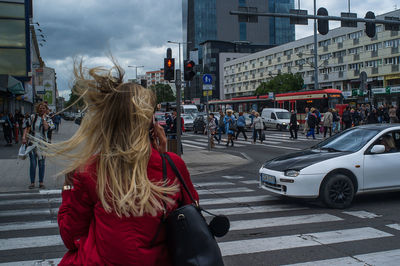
[
  {"x": 199, "y": 124},
  {"x": 160, "y": 117},
  {"x": 68, "y": 116},
  {"x": 188, "y": 122},
  {"x": 78, "y": 118},
  {"x": 358, "y": 160}
]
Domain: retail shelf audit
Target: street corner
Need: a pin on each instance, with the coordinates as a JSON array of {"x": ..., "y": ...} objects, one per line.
[{"x": 201, "y": 162}]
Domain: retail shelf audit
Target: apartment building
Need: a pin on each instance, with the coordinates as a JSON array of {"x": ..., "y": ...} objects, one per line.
[{"x": 342, "y": 54}]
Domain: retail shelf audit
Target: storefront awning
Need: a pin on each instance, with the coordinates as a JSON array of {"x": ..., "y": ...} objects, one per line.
[{"x": 11, "y": 84}]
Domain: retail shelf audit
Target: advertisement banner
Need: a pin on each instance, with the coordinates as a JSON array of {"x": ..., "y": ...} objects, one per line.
[
  {"x": 48, "y": 97},
  {"x": 28, "y": 97}
]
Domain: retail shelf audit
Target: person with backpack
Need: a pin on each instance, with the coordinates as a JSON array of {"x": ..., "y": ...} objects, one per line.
[
  {"x": 37, "y": 126},
  {"x": 346, "y": 118}
]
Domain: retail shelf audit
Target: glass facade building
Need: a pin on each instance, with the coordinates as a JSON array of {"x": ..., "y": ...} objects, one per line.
[{"x": 280, "y": 29}]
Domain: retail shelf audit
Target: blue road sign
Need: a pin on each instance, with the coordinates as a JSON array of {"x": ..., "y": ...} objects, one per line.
[{"x": 207, "y": 79}]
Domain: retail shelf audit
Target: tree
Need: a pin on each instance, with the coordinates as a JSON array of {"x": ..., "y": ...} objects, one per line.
[
  {"x": 164, "y": 93},
  {"x": 72, "y": 98},
  {"x": 281, "y": 83}
]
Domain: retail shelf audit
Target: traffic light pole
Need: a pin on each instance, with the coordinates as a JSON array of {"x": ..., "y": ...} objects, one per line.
[
  {"x": 316, "y": 85},
  {"x": 178, "y": 83}
]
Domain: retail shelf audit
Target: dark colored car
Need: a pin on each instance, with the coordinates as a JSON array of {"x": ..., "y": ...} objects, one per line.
[{"x": 199, "y": 124}]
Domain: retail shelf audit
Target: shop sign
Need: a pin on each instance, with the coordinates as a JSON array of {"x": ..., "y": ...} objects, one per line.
[
  {"x": 395, "y": 89},
  {"x": 347, "y": 94},
  {"x": 378, "y": 90}
]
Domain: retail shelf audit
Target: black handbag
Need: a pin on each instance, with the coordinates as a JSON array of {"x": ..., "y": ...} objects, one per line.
[{"x": 189, "y": 238}]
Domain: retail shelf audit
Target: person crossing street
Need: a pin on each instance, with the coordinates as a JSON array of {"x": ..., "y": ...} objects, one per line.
[{"x": 293, "y": 125}]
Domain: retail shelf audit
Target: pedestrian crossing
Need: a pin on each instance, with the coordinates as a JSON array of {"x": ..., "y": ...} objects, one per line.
[
  {"x": 279, "y": 140},
  {"x": 262, "y": 225}
]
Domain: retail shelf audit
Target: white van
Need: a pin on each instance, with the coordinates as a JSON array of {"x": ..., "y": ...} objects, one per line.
[
  {"x": 275, "y": 118},
  {"x": 190, "y": 109}
]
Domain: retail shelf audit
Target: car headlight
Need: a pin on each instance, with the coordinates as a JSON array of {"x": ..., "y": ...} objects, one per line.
[
  {"x": 292, "y": 173},
  {"x": 284, "y": 124}
]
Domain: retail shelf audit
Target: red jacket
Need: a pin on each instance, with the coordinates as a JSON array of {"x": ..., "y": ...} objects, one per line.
[{"x": 95, "y": 237}]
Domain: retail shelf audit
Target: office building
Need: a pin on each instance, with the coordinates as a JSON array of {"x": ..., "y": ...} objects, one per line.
[{"x": 342, "y": 55}]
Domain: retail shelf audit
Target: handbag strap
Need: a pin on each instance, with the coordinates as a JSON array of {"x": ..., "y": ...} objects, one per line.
[{"x": 178, "y": 174}]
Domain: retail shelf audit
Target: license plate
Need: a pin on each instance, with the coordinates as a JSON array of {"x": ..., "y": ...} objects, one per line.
[{"x": 270, "y": 179}]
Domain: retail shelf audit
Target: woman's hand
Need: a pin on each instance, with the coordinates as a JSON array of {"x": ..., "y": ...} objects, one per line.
[{"x": 159, "y": 140}]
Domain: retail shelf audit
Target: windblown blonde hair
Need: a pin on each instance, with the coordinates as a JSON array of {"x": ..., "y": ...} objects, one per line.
[{"x": 115, "y": 131}]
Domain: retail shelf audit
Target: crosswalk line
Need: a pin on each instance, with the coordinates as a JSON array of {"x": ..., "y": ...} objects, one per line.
[
  {"x": 29, "y": 201},
  {"x": 387, "y": 258},
  {"x": 237, "y": 200},
  {"x": 254, "y": 209},
  {"x": 28, "y": 225},
  {"x": 46, "y": 262},
  {"x": 30, "y": 242},
  {"x": 250, "y": 182},
  {"x": 201, "y": 143},
  {"x": 296, "y": 241},
  {"x": 394, "y": 226},
  {"x": 209, "y": 184},
  {"x": 28, "y": 212},
  {"x": 192, "y": 146},
  {"x": 362, "y": 214},
  {"x": 283, "y": 221},
  {"x": 233, "y": 177},
  {"x": 223, "y": 190}
]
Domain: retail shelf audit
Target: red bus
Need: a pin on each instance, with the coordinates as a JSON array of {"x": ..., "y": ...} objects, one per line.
[{"x": 320, "y": 99}]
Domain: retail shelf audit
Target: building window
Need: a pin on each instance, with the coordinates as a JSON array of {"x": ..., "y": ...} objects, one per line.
[
  {"x": 392, "y": 60},
  {"x": 373, "y": 47},
  {"x": 373, "y": 63},
  {"x": 242, "y": 31},
  {"x": 356, "y": 66},
  {"x": 339, "y": 68},
  {"x": 355, "y": 50},
  {"x": 288, "y": 52},
  {"x": 392, "y": 43},
  {"x": 339, "y": 39},
  {"x": 325, "y": 56},
  {"x": 339, "y": 53},
  {"x": 324, "y": 43},
  {"x": 355, "y": 35},
  {"x": 299, "y": 49}
]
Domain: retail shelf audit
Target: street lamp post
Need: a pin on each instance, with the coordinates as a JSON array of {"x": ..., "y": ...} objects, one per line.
[
  {"x": 136, "y": 67},
  {"x": 315, "y": 49},
  {"x": 178, "y": 83}
]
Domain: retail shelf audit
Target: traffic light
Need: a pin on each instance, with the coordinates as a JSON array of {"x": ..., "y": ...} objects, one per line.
[
  {"x": 188, "y": 73},
  {"x": 169, "y": 68},
  {"x": 370, "y": 26},
  {"x": 323, "y": 24}
]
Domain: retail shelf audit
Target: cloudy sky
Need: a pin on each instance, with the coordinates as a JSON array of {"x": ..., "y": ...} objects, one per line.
[{"x": 136, "y": 31}]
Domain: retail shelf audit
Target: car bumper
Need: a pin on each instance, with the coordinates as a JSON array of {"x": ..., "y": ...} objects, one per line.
[{"x": 301, "y": 186}]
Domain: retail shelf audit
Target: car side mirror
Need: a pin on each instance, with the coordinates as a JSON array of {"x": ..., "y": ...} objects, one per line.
[{"x": 376, "y": 149}]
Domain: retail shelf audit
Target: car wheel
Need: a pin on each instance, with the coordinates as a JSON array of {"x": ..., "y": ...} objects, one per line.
[{"x": 338, "y": 191}]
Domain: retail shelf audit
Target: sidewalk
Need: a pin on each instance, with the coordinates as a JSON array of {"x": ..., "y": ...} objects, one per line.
[{"x": 14, "y": 174}]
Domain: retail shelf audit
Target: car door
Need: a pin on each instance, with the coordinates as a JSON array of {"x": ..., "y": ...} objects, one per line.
[{"x": 382, "y": 170}]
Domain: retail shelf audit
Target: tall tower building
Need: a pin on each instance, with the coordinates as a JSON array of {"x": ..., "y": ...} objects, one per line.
[
  {"x": 205, "y": 20},
  {"x": 209, "y": 20}
]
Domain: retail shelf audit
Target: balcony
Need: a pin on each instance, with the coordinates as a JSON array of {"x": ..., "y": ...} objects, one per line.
[
  {"x": 395, "y": 50},
  {"x": 374, "y": 54},
  {"x": 356, "y": 72},
  {"x": 300, "y": 67},
  {"x": 340, "y": 74},
  {"x": 269, "y": 61},
  {"x": 325, "y": 49},
  {"x": 340, "y": 45},
  {"x": 326, "y": 77},
  {"x": 340, "y": 60},
  {"x": 395, "y": 68},
  {"x": 288, "y": 57},
  {"x": 356, "y": 41},
  {"x": 393, "y": 33},
  {"x": 279, "y": 59},
  {"x": 356, "y": 57},
  {"x": 374, "y": 70}
]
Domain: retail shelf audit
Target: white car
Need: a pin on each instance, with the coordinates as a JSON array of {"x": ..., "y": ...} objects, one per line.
[
  {"x": 188, "y": 122},
  {"x": 358, "y": 160}
]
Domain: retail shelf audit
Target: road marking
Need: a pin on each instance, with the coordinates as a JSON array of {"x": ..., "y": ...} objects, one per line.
[
  {"x": 233, "y": 177},
  {"x": 237, "y": 200},
  {"x": 50, "y": 192},
  {"x": 46, "y": 262},
  {"x": 223, "y": 190},
  {"x": 255, "y": 209},
  {"x": 192, "y": 146},
  {"x": 30, "y": 201},
  {"x": 28, "y": 225},
  {"x": 208, "y": 184},
  {"x": 296, "y": 241},
  {"x": 28, "y": 212},
  {"x": 283, "y": 221},
  {"x": 394, "y": 226},
  {"x": 30, "y": 242},
  {"x": 362, "y": 214},
  {"x": 387, "y": 258},
  {"x": 250, "y": 182},
  {"x": 202, "y": 143},
  {"x": 281, "y": 147}
]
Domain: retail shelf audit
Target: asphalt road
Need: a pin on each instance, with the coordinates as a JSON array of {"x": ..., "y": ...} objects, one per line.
[{"x": 265, "y": 229}]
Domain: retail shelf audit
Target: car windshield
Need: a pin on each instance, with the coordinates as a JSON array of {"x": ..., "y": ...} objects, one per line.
[
  {"x": 187, "y": 117},
  {"x": 283, "y": 115},
  {"x": 349, "y": 140},
  {"x": 191, "y": 111}
]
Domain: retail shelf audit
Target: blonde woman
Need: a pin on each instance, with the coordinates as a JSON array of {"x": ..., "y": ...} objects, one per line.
[{"x": 112, "y": 202}]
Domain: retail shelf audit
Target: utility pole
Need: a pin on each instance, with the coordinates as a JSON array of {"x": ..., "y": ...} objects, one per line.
[
  {"x": 315, "y": 49},
  {"x": 136, "y": 67}
]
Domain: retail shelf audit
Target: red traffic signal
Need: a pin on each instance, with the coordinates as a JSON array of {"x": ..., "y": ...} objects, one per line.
[
  {"x": 189, "y": 72},
  {"x": 169, "y": 68}
]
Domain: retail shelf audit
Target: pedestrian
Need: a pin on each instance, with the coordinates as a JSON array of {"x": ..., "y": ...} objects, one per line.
[
  {"x": 221, "y": 125},
  {"x": 373, "y": 117},
  {"x": 355, "y": 117},
  {"x": 328, "y": 121},
  {"x": 13, "y": 130},
  {"x": 392, "y": 114},
  {"x": 168, "y": 124},
  {"x": 241, "y": 125},
  {"x": 229, "y": 121},
  {"x": 212, "y": 126},
  {"x": 252, "y": 116},
  {"x": 293, "y": 125},
  {"x": 346, "y": 118},
  {"x": 7, "y": 129},
  {"x": 50, "y": 130},
  {"x": 318, "y": 115},
  {"x": 57, "y": 121},
  {"x": 258, "y": 126},
  {"x": 37, "y": 126},
  {"x": 115, "y": 198},
  {"x": 386, "y": 118},
  {"x": 312, "y": 122},
  {"x": 379, "y": 114},
  {"x": 306, "y": 128},
  {"x": 335, "y": 121}
]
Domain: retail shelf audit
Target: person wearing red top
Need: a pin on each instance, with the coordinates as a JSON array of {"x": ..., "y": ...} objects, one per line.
[{"x": 113, "y": 196}]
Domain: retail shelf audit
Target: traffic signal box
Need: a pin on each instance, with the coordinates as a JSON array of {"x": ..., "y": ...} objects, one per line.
[
  {"x": 323, "y": 24},
  {"x": 169, "y": 68},
  {"x": 189, "y": 72}
]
